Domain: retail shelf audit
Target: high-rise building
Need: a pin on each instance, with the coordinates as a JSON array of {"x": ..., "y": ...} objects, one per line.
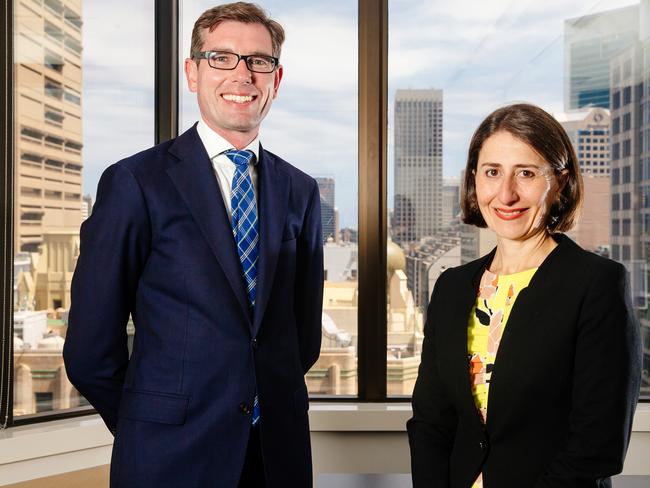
[
  {"x": 86, "y": 206},
  {"x": 588, "y": 129},
  {"x": 48, "y": 135},
  {"x": 450, "y": 201},
  {"x": 417, "y": 209},
  {"x": 630, "y": 204},
  {"x": 329, "y": 221},
  {"x": 590, "y": 42},
  {"x": 475, "y": 242}
]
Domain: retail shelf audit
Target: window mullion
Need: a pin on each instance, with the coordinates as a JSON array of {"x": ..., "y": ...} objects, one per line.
[{"x": 373, "y": 109}]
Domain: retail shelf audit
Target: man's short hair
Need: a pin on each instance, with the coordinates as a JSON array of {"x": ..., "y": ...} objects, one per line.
[
  {"x": 547, "y": 137},
  {"x": 247, "y": 13}
]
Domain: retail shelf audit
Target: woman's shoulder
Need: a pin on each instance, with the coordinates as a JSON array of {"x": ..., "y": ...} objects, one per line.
[{"x": 571, "y": 257}]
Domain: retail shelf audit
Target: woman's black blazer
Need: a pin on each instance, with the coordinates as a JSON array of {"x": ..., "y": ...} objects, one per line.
[{"x": 563, "y": 389}]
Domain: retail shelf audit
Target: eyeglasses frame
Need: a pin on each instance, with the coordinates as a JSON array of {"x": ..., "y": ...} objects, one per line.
[{"x": 206, "y": 55}]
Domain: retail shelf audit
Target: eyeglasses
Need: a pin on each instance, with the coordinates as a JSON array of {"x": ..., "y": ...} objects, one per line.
[{"x": 258, "y": 63}]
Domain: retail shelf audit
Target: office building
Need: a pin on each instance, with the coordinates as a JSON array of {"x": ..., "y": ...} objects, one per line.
[
  {"x": 417, "y": 209},
  {"x": 329, "y": 218},
  {"x": 590, "y": 42},
  {"x": 450, "y": 201},
  {"x": 630, "y": 200},
  {"x": 48, "y": 128},
  {"x": 588, "y": 128}
]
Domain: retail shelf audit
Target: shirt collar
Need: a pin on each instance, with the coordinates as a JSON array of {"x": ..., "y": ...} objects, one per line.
[{"x": 215, "y": 144}]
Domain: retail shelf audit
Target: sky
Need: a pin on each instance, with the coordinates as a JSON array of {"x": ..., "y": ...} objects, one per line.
[{"x": 483, "y": 55}]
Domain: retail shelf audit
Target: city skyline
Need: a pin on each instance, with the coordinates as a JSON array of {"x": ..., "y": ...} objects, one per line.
[{"x": 491, "y": 54}]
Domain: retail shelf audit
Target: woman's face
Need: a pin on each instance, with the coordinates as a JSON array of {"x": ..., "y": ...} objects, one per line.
[{"x": 515, "y": 187}]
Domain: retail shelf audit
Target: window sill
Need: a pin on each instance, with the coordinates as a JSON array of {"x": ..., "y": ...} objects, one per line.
[{"x": 39, "y": 450}]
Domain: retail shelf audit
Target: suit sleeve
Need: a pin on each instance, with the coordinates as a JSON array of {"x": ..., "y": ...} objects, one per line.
[
  {"x": 606, "y": 380},
  {"x": 309, "y": 283},
  {"x": 432, "y": 428},
  {"x": 114, "y": 246}
]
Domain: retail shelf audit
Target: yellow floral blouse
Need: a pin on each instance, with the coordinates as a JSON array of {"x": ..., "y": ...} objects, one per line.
[{"x": 489, "y": 316}]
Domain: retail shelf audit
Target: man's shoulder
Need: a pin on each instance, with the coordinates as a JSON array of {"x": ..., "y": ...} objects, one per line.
[
  {"x": 289, "y": 169},
  {"x": 149, "y": 158}
]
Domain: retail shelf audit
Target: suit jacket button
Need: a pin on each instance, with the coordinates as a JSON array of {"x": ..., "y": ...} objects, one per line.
[
  {"x": 244, "y": 408},
  {"x": 483, "y": 445},
  {"x": 254, "y": 342}
]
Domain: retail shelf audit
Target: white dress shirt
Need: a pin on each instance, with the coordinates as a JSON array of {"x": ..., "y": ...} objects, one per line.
[{"x": 224, "y": 168}]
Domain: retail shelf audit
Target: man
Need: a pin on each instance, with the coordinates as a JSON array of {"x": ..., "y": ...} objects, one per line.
[{"x": 213, "y": 245}]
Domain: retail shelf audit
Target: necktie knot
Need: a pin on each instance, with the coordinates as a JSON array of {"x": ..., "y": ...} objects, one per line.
[{"x": 240, "y": 157}]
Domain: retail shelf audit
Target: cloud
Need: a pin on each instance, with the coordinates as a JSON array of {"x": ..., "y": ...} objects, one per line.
[{"x": 481, "y": 54}]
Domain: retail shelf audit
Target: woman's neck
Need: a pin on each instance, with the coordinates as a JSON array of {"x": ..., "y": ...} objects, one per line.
[{"x": 515, "y": 256}]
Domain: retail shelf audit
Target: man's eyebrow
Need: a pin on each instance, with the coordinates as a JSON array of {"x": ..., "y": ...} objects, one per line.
[{"x": 226, "y": 50}]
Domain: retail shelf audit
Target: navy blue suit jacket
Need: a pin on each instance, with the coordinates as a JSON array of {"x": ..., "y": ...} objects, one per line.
[{"x": 159, "y": 246}]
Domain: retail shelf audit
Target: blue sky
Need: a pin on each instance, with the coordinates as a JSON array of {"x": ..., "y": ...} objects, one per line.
[{"x": 481, "y": 54}]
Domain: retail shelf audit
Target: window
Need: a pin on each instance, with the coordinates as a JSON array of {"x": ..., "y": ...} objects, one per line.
[
  {"x": 72, "y": 96},
  {"x": 626, "y": 201},
  {"x": 330, "y": 158},
  {"x": 53, "y": 61},
  {"x": 447, "y": 70},
  {"x": 53, "y": 89},
  {"x": 626, "y": 227},
  {"x": 627, "y": 148},
  {"x": 627, "y": 95},
  {"x": 626, "y": 253},
  {"x": 57, "y": 140},
  {"x": 627, "y": 121}
]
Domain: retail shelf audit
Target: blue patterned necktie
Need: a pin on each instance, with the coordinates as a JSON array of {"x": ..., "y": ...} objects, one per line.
[{"x": 244, "y": 229}]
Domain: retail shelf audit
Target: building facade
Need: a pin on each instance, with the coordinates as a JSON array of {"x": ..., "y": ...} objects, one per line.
[
  {"x": 48, "y": 110},
  {"x": 590, "y": 42},
  {"x": 588, "y": 128},
  {"x": 630, "y": 200},
  {"x": 329, "y": 218},
  {"x": 417, "y": 209}
]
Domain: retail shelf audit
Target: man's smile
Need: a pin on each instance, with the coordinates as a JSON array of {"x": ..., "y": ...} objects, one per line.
[{"x": 231, "y": 97}]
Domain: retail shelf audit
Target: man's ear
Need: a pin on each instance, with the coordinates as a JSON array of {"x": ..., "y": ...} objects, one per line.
[
  {"x": 191, "y": 74},
  {"x": 276, "y": 81}
]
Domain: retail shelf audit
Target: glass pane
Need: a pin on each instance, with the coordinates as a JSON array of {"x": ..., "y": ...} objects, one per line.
[
  {"x": 313, "y": 125},
  {"x": 83, "y": 100},
  {"x": 450, "y": 65}
]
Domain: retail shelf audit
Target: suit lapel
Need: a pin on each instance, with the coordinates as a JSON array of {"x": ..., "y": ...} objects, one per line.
[
  {"x": 273, "y": 197},
  {"x": 196, "y": 182}
]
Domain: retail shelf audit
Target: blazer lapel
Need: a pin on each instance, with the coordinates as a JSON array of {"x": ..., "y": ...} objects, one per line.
[
  {"x": 196, "y": 182},
  {"x": 466, "y": 303},
  {"x": 539, "y": 290},
  {"x": 273, "y": 196}
]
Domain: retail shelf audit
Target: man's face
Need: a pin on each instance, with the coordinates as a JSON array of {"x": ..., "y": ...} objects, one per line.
[{"x": 234, "y": 102}]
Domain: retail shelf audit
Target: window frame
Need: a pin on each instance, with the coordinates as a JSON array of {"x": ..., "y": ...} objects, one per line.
[
  {"x": 372, "y": 198},
  {"x": 372, "y": 191}
]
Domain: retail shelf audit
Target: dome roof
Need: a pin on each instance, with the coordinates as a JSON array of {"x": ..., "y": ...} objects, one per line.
[{"x": 395, "y": 257}]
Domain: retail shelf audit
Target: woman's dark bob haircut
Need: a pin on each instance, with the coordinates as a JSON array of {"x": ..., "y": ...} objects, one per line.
[{"x": 545, "y": 136}]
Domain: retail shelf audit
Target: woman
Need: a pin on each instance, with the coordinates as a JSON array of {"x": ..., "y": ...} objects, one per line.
[{"x": 531, "y": 360}]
